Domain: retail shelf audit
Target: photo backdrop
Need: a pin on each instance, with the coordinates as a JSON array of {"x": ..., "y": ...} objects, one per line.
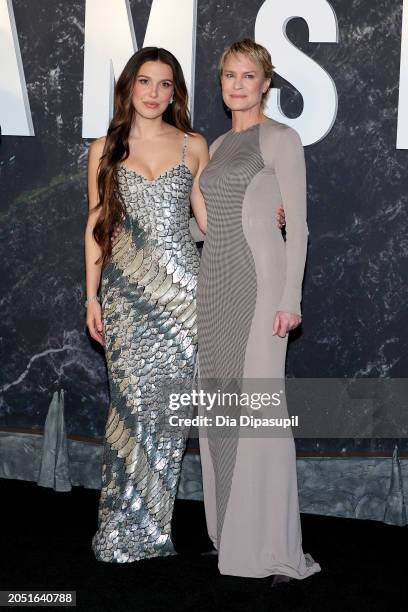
[{"x": 355, "y": 290}]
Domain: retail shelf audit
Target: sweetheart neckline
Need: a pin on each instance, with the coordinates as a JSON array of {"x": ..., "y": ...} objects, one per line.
[{"x": 160, "y": 175}]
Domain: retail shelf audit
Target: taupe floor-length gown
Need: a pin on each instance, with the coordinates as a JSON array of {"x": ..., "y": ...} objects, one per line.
[{"x": 247, "y": 273}]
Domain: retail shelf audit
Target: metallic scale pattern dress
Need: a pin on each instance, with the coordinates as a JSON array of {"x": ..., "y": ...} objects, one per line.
[
  {"x": 247, "y": 273},
  {"x": 149, "y": 315}
]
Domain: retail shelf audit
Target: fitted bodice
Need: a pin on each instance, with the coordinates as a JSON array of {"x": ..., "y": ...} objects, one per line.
[
  {"x": 156, "y": 228},
  {"x": 159, "y": 208}
]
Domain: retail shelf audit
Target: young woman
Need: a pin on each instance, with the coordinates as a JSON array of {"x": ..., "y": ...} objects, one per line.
[
  {"x": 248, "y": 299},
  {"x": 142, "y": 177}
]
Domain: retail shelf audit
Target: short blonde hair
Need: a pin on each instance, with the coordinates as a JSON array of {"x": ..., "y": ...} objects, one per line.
[{"x": 257, "y": 53}]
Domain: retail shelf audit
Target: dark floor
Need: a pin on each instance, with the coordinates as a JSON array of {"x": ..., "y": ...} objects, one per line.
[{"x": 46, "y": 545}]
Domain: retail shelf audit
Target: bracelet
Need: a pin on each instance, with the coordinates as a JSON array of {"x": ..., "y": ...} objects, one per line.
[{"x": 94, "y": 298}]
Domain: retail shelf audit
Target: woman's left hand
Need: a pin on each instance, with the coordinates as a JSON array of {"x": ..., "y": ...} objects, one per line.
[{"x": 284, "y": 322}]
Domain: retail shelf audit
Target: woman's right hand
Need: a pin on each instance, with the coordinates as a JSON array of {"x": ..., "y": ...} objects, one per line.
[
  {"x": 116, "y": 231},
  {"x": 94, "y": 321},
  {"x": 280, "y": 217}
]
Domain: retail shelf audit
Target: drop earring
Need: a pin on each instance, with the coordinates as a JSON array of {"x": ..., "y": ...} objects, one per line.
[{"x": 171, "y": 100}]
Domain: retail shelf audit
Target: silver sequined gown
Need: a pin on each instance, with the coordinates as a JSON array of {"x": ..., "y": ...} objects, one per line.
[{"x": 149, "y": 314}]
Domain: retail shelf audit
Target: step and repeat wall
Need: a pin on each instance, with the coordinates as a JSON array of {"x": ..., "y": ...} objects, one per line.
[{"x": 341, "y": 82}]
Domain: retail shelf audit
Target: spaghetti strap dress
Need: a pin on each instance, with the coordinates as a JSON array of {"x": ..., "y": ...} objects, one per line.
[{"x": 148, "y": 292}]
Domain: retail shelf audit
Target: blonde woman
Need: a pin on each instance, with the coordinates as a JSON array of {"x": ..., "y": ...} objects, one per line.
[{"x": 248, "y": 299}]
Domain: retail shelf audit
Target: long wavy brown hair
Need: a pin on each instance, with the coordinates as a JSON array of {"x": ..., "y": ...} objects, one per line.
[{"x": 116, "y": 148}]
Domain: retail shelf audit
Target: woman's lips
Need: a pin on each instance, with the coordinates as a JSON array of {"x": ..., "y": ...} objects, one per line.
[{"x": 151, "y": 104}]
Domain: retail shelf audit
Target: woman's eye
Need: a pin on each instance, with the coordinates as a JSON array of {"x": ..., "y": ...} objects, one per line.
[
  {"x": 143, "y": 81},
  {"x": 249, "y": 76},
  {"x": 166, "y": 84},
  {"x": 228, "y": 75}
]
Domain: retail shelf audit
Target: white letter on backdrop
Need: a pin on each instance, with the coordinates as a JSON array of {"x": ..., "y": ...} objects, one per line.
[
  {"x": 15, "y": 114},
  {"x": 311, "y": 80},
  {"x": 402, "y": 125},
  {"x": 110, "y": 41}
]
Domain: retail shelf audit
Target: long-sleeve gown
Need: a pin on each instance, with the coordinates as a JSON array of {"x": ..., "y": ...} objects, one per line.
[{"x": 247, "y": 273}]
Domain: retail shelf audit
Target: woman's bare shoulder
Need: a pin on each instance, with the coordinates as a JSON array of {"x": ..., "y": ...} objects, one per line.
[
  {"x": 197, "y": 142},
  {"x": 95, "y": 153},
  {"x": 97, "y": 146}
]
